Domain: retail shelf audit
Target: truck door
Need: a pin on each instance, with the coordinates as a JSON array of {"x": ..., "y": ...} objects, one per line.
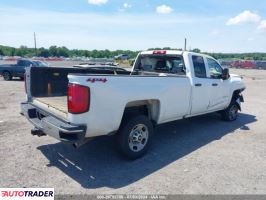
[
  {"x": 200, "y": 86},
  {"x": 219, "y": 90}
]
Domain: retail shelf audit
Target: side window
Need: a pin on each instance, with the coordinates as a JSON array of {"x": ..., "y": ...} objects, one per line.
[
  {"x": 199, "y": 66},
  {"x": 216, "y": 70}
]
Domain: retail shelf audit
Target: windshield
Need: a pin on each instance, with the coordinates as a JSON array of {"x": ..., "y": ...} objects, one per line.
[{"x": 161, "y": 64}]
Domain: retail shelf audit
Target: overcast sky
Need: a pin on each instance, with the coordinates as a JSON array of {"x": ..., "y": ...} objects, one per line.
[{"x": 211, "y": 25}]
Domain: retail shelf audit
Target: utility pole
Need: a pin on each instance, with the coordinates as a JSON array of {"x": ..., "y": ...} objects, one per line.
[
  {"x": 185, "y": 46},
  {"x": 35, "y": 46}
]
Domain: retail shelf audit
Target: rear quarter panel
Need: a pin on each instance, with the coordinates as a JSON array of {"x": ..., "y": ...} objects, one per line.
[{"x": 109, "y": 99}]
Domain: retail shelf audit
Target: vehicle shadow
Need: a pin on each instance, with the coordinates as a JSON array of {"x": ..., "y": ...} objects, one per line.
[
  {"x": 13, "y": 79},
  {"x": 96, "y": 164}
]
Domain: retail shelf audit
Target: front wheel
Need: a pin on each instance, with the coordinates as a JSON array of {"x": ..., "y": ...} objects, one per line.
[
  {"x": 231, "y": 112},
  {"x": 134, "y": 136}
]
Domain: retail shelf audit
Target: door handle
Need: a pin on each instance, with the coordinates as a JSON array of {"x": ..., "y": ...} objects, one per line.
[
  {"x": 214, "y": 84},
  {"x": 198, "y": 84}
]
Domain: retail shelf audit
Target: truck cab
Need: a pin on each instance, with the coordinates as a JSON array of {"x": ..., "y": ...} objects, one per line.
[{"x": 204, "y": 72}]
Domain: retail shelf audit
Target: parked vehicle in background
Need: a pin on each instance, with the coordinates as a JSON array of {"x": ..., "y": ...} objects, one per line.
[
  {"x": 77, "y": 104},
  {"x": 121, "y": 57},
  {"x": 226, "y": 63},
  {"x": 245, "y": 64},
  {"x": 261, "y": 65},
  {"x": 18, "y": 70}
]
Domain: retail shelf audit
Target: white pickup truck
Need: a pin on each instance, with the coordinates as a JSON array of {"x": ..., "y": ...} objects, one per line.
[{"x": 75, "y": 105}]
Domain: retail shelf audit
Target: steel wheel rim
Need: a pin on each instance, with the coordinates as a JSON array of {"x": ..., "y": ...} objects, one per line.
[
  {"x": 138, "y": 137},
  {"x": 233, "y": 112}
]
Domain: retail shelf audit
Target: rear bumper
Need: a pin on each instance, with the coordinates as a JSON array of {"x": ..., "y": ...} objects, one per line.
[{"x": 53, "y": 126}]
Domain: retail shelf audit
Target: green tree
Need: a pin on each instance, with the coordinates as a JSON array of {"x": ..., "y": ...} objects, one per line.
[
  {"x": 53, "y": 51},
  {"x": 2, "y": 52},
  {"x": 42, "y": 52},
  {"x": 196, "y": 50},
  {"x": 62, "y": 51},
  {"x": 13, "y": 52}
]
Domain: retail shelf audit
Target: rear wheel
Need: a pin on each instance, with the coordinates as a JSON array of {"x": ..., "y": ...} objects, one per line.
[
  {"x": 7, "y": 76},
  {"x": 231, "y": 112},
  {"x": 134, "y": 136}
]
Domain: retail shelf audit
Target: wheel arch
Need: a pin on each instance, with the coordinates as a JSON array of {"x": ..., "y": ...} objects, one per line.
[
  {"x": 235, "y": 96},
  {"x": 149, "y": 108}
]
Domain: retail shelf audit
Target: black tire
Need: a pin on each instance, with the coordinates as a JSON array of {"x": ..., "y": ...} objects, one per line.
[
  {"x": 7, "y": 76},
  {"x": 231, "y": 112},
  {"x": 134, "y": 136}
]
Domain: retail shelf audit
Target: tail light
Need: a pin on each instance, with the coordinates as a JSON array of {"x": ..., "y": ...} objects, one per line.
[{"x": 78, "y": 99}]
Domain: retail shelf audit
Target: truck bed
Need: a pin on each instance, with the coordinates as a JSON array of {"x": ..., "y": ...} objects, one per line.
[
  {"x": 56, "y": 105},
  {"x": 48, "y": 86}
]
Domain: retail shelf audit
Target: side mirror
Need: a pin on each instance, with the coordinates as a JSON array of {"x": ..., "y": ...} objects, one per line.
[{"x": 225, "y": 74}]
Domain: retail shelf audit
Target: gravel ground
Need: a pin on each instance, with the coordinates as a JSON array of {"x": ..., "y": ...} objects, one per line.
[{"x": 201, "y": 155}]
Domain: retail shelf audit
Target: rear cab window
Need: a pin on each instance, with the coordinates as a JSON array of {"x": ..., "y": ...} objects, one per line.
[
  {"x": 199, "y": 66},
  {"x": 173, "y": 64}
]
